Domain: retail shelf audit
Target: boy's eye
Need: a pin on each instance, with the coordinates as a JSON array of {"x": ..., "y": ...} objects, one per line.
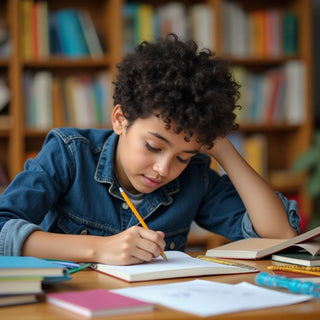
[
  {"x": 149, "y": 147},
  {"x": 153, "y": 149},
  {"x": 184, "y": 161}
]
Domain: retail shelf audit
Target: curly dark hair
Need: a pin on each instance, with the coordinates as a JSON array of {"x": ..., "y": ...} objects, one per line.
[{"x": 185, "y": 86}]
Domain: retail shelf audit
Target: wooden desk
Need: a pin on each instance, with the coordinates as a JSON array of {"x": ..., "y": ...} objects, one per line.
[{"x": 89, "y": 279}]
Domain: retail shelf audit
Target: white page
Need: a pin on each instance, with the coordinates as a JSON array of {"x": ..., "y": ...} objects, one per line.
[
  {"x": 207, "y": 298},
  {"x": 176, "y": 260}
]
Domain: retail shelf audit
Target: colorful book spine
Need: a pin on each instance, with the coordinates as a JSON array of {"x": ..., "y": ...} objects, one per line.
[
  {"x": 129, "y": 26},
  {"x": 90, "y": 34},
  {"x": 290, "y": 33},
  {"x": 54, "y": 39},
  {"x": 42, "y": 29},
  {"x": 267, "y": 32},
  {"x": 26, "y": 18},
  {"x": 70, "y": 33}
]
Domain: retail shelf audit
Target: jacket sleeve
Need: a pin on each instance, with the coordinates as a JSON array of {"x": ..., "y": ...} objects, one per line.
[
  {"x": 13, "y": 234},
  {"x": 32, "y": 193},
  {"x": 292, "y": 213}
]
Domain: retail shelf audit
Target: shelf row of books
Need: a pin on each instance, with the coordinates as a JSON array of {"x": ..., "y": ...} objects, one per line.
[
  {"x": 274, "y": 96},
  {"x": 263, "y": 33},
  {"x": 143, "y": 21},
  {"x": 78, "y": 100},
  {"x": 69, "y": 32},
  {"x": 22, "y": 279}
]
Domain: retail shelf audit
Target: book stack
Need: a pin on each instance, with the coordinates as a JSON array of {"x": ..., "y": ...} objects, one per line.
[
  {"x": 300, "y": 257},
  {"x": 300, "y": 254},
  {"x": 21, "y": 278},
  {"x": 257, "y": 248}
]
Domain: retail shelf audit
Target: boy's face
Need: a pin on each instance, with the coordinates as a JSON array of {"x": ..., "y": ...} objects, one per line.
[{"x": 148, "y": 156}]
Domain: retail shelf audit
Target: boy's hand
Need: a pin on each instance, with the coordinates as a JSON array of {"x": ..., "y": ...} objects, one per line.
[
  {"x": 132, "y": 246},
  {"x": 221, "y": 146}
]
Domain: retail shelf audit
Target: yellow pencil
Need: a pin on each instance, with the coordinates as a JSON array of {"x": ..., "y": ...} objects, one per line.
[
  {"x": 297, "y": 269},
  {"x": 136, "y": 213},
  {"x": 229, "y": 263}
]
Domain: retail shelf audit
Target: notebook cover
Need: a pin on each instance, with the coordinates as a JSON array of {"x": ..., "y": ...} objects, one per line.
[
  {"x": 25, "y": 266},
  {"x": 97, "y": 302}
]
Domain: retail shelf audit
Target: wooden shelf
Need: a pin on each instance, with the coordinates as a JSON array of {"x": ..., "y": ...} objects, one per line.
[
  {"x": 4, "y": 62},
  {"x": 268, "y": 127},
  {"x": 261, "y": 61},
  {"x": 5, "y": 125},
  {"x": 60, "y": 62}
]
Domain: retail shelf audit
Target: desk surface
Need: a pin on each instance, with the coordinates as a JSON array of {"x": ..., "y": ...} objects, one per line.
[{"x": 89, "y": 279}]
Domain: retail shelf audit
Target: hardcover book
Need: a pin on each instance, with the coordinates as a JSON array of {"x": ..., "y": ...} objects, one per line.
[
  {"x": 299, "y": 258},
  {"x": 29, "y": 266},
  {"x": 10, "y": 300},
  {"x": 20, "y": 285},
  {"x": 256, "y": 248},
  {"x": 71, "y": 37}
]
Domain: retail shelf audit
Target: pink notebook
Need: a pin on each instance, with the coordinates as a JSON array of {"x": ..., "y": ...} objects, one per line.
[{"x": 97, "y": 302}]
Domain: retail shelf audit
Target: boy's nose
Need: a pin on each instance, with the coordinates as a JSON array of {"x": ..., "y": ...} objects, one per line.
[{"x": 162, "y": 167}]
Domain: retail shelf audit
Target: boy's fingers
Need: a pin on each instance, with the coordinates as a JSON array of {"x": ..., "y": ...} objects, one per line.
[{"x": 156, "y": 237}]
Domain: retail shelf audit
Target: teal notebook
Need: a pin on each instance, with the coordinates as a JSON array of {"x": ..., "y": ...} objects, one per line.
[{"x": 11, "y": 266}]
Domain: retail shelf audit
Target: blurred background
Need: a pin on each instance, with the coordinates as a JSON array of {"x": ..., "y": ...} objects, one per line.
[{"x": 58, "y": 58}]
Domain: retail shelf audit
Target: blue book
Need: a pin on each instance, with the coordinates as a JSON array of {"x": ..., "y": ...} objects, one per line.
[
  {"x": 12, "y": 266},
  {"x": 72, "y": 40},
  {"x": 256, "y": 97},
  {"x": 129, "y": 16},
  {"x": 54, "y": 39}
]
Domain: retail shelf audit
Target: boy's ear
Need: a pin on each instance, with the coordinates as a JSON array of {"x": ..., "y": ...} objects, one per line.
[{"x": 119, "y": 122}]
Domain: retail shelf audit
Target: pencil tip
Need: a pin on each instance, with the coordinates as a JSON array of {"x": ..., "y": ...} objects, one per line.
[{"x": 164, "y": 256}]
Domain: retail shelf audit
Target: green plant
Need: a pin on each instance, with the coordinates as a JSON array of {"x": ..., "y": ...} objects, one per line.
[{"x": 309, "y": 162}]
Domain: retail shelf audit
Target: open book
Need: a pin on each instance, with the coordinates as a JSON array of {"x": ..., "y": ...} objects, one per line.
[
  {"x": 256, "y": 248},
  {"x": 179, "y": 265}
]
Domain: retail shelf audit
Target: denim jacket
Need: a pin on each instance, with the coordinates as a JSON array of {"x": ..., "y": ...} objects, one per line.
[{"x": 70, "y": 187}]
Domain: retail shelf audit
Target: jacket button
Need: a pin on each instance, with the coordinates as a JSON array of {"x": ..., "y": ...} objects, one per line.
[
  {"x": 84, "y": 232},
  {"x": 125, "y": 206},
  {"x": 172, "y": 245}
]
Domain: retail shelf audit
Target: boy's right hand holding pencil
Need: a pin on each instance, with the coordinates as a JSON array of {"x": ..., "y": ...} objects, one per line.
[{"x": 132, "y": 246}]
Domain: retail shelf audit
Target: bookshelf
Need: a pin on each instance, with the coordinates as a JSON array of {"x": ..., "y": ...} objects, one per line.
[
  {"x": 16, "y": 137},
  {"x": 284, "y": 140},
  {"x": 287, "y": 137}
]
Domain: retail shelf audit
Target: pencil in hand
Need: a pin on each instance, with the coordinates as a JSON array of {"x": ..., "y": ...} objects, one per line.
[{"x": 136, "y": 213}]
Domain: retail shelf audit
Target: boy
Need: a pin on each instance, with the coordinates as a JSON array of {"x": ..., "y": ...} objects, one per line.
[{"x": 174, "y": 106}]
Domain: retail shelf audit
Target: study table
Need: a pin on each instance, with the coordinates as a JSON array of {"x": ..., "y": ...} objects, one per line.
[{"x": 89, "y": 279}]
